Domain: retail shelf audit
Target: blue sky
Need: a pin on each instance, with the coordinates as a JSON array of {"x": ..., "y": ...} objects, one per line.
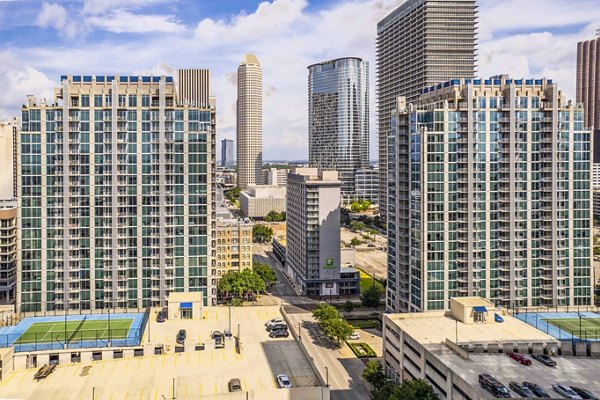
[{"x": 40, "y": 40}]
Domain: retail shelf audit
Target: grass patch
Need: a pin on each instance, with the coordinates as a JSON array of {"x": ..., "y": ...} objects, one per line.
[
  {"x": 365, "y": 324},
  {"x": 45, "y": 332},
  {"x": 362, "y": 350},
  {"x": 367, "y": 281},
  {"x": 590, "y": 327}
]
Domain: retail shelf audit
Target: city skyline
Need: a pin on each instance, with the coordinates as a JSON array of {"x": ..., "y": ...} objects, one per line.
[{"x": 92, "y": 38}]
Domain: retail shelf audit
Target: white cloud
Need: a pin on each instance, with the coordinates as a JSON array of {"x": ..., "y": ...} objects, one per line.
[
  {"x": 95, "y": 7},
  {"x": 56, "y": 16},
  {"x": 120, "y": 21}
]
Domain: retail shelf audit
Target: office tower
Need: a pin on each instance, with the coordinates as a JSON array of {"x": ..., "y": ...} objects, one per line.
[
  {"x": 8, "y": 159},
  {"x": 234, "y": 245},
  {"x": 313, "y": 234},
  {"x": 338, "y": 118},
  {"x": 193, "y": 87},
  {"x": 8, "y": 250},
  {"x": 117, "y": 201},
  {"x": 275, "y": 176},
  {"x": 367, "y": 185},
  {"x": 489, "y": 196},
  {"x": 418, "y": 47},
  {"x": 227, "y": 153},
  {"x": 249, "y": 122}
]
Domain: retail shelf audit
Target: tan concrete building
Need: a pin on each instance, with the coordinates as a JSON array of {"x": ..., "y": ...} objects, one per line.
[
  {"x": 276, "y": 176},
  {"x": 8, "y": 251},
  {"x": 249, "y": 122},
  {"x": 257, "y": 201},
  {"x": 193, "y": 87},
  {"x": 234, "y": 245},
  {"x": 8, "y": 152}
]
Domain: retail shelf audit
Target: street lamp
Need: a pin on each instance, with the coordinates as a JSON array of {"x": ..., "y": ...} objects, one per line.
[{"x": 326, "y": 376}]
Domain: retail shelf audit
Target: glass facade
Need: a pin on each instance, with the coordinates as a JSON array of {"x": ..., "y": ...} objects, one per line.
[
  {"x": 338, "y": 114},
  {"x": 500, "y": 198},
  {"x": 117, "y": 186}
]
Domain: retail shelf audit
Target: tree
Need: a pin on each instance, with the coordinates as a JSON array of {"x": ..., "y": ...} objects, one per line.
[
  {"x": 325, "y": 312},
  {"x": 348, "y": 306},
  {"x": 357, "y": 226},
  {"x": 274, "y": 216},
  {"x": 262, "y": 233},
  {"x": 374, "y": 375},
  {"x": 244, "y": 285},
  {"x": 338, "y": 328},
  {"x": 233, "y": 194},
  {"x": 414, "y": 389},
  {"x": 265, "y": 272},
  {"x": 355, "y": 242},
  {"x": 371, "y": 296}
]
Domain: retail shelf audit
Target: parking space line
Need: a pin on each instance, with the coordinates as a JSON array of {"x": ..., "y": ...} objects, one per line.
[
  {"x": 155, "y": 394},
  {"x": 215, "y": 391},
  {"x": 23, "y": 377},
  {"x": 200, "y": 390}
]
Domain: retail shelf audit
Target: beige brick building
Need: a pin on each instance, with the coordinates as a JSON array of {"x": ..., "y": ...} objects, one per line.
[{"x": 234, "y": 245}]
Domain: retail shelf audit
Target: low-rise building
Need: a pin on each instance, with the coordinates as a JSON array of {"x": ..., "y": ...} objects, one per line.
[
  {"x": 234, "y": 245},
  {"x": 256, "y": 201},
  {"x": 276, "y": 176},
  {"x": 451, "y": 349},
  {"x": 367, "y": 185}
]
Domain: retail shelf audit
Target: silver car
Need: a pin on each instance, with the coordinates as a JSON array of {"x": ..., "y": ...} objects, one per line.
[{"x": 566, "y": 391}]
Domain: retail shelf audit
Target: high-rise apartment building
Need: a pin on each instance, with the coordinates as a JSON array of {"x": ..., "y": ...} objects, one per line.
[
  {"x": 117, "y": 206},
  {"x": 338, "y": 118},
  {"x": 227, "y": 153},
  {"x": 249, "y": 123},
  {"x": 8, "y": 250},
  {"x": 489, "y": 196},
  {"x": 588, "y": 91},
  {"x": 417, "y": 47},
  {"x": 313, "y": 257},
  {"x": 193, "y": 87},
  {"x": 367, "y": 185},
  {"x": 8, "y": 159}
]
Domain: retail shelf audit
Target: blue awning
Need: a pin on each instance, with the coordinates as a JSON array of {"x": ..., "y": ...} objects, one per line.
[
  {"x": 185, "y": 305},
  {"x": 479, "y": 309}
]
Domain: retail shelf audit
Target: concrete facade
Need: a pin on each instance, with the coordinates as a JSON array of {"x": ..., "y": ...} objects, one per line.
[
  {"x": 249, "y": 122},
  {"x": 491, "y": 199},
  {"x": 367, "y": 185},
  {"x": 8, "y": 251},
  {"x": 276, "y": 176},
  {"x": 416, "y": 47},
  {"x": 257, "y": 201},
  {"x": 8, "y": 159},
  {"x": 234, "y": 245},
  {"x": 117, "y": 195}
]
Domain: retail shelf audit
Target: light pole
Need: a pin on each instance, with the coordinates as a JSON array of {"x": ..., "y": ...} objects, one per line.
[
  {"x": 229, "y": 319},
  {"x": 299, "y": 333},
  {"x": 456, "y": 331},
  {"x": 326, "y": 377}
]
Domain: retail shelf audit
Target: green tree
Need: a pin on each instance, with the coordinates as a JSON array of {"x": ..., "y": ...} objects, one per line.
[
  {"x": 355, "y": 242},
  {"x": 371, "y": 296},
  {"x": 244, "y": 285},
  {"x": 325, "y": 312},
  {"x": 274, "y": 216},
  {"x": 338, "y": 328},
  {"x": 233, "y": 195},
  {"x": 374, "y": 374},
  {"x": 262, "y": 233},
  {"x": 265, "y": 272},
  {"x": 357, "y": 226},
  {"x": 348, "y": 306}
]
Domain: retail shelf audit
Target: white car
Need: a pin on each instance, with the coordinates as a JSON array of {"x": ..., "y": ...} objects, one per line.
[
  {"x": 284, "y": 381},
  {"x": 566, "y": 391},
  {"x": 354, "y": 336},
  {"x": 274, "y": 321}
]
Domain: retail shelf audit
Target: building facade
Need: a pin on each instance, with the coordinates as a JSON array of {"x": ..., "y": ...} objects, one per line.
[
  {"x": 227, "y": 153},
  {"x": 234, "y": 245},
  {"x": 416, "y": 48},
  {"x": 313, "y": 234},
  {"x": 276, "y": 176},
  {"x": 338, "y": 118},
  {"x": 596, "y": 205},
  {"x": 367, "y": 185},
  {"x": 588, "y": 81},
  {"x": 117, "y": 202},
  {"x": 257, "y": 201},
  {"x": 489, "y": 196},
  {"x": 8, "y": 251},
  {"x": 8, "y": 159},
  {"x": 193, "y": 87},
  {"x": 249, "y": 123}
]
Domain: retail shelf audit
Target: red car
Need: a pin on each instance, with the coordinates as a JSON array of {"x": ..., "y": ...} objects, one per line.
[{"x": 519, "y": 357}]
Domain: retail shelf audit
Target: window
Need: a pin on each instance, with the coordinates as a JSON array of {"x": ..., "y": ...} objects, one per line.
[{"x": 98, "y": 100}]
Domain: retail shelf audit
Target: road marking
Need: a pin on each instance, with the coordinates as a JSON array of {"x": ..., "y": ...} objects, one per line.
[
  {"x": 200, "y": 390},
  {"x": 215, "y": 391},
  {"x": 155, "y": 394}
]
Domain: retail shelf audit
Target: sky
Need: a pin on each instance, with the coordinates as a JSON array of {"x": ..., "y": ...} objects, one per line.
[{"x": 39, "y": 41}]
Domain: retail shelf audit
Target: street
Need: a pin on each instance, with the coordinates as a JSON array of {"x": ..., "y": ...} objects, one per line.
[{"x": 337, "y": 364}]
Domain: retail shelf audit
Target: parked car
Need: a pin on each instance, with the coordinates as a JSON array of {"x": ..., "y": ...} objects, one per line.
[
  {"x": 584, "y": 393},
  {"x": 276, "y": 327},
  {"x": 566, "y": 391},
  {"x": 522, "y": 359},
  {"x": 284, "y": 381},
  {"x": 274, "y": 321},
  {"x": 493, "y": 386},
  {"x": 219, "y": 339},
  {"x": 536, "y": 389},
  {"x": 181, "y": 335},
  {"x": 544, "y": 359},
  {"x": 235, "y": 385},
  {"x": 160, "y": 317},
  {"x": 279, "y": 333},
  {"x": 227, "y": 334},
  {"x": 521, "y": 390},
  {"x": 354, "y": 336}
]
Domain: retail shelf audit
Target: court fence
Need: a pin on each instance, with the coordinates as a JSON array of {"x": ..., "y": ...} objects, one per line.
[
  {"x": 82, "y": 339},
  {"x": 580, "y": 331}
]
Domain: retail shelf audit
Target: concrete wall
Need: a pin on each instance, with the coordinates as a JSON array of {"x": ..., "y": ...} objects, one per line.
[
  {"x": 305, "y": 393},
  {"x": 329, "y": 232}
]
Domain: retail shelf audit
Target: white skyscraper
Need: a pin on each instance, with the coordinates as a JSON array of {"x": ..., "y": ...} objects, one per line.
[{"x": 249, "y": 122}]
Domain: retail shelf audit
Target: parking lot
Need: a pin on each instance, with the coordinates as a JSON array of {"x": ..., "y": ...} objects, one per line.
[{"x": 193, "y": 373}]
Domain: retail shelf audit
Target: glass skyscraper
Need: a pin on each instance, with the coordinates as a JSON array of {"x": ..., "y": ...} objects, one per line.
[
  {"x": 489, "y": 196},
  {"x": 116, "y": 178},
  {"x": 338, "y": 118}
]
